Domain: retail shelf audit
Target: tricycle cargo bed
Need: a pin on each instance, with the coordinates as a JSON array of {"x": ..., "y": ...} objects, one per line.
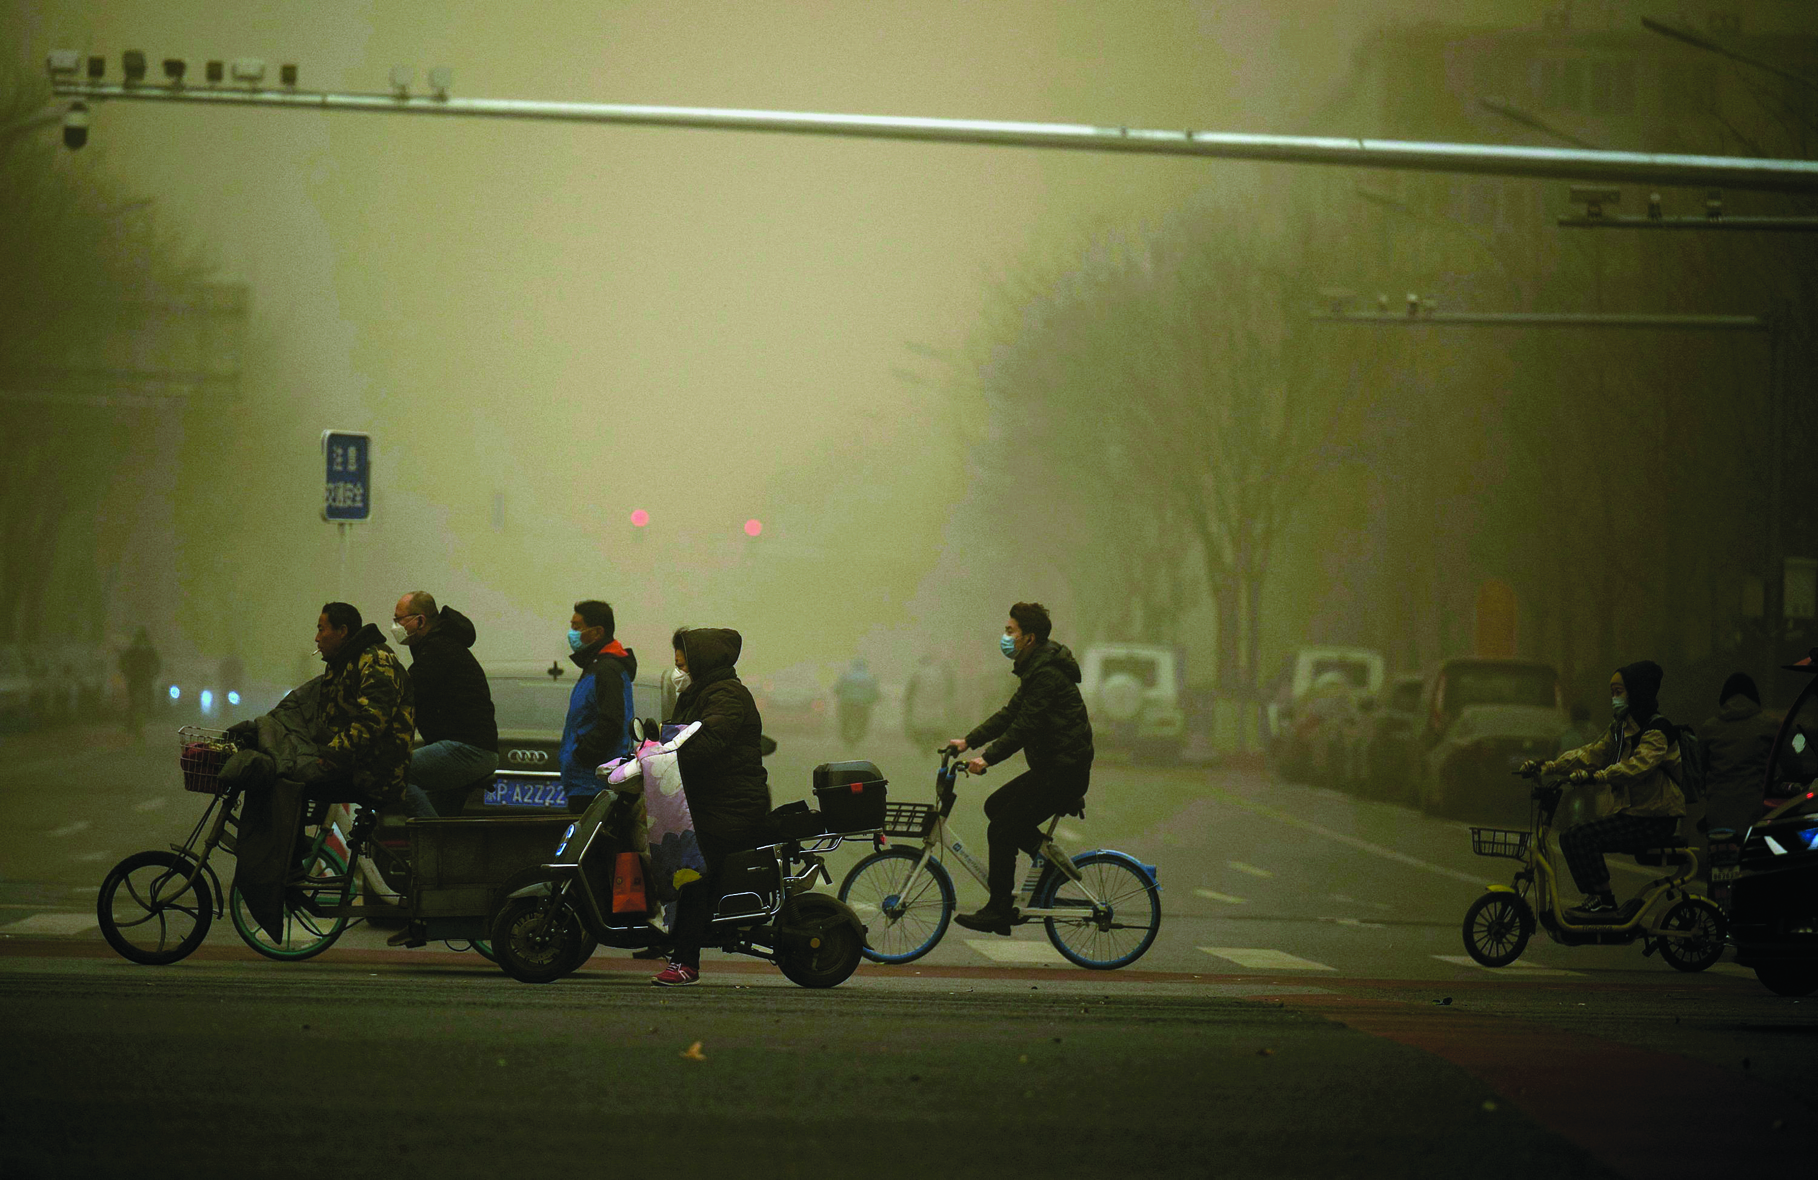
[{"x": 459, "y": 864}]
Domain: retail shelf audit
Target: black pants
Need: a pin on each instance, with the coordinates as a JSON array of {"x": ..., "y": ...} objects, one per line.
[
  {"x": 1585, "y": 844},
  {"x": 697, "y": 901},
  {"x": 1016, "y": 812}
]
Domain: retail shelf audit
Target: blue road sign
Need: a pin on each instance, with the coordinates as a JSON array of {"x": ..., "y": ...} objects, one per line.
[{"x": 349, "y": 487}]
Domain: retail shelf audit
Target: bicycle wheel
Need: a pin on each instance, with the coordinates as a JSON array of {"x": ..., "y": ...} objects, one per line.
[
  {"x": 1117, "y": 929},
  {"x": 304, "y": 935},
  {"x": 1703, "y": 943},
  {"x": 1496, "y": 928},
  {"x": 155, "y": 907},
  {"x": 903, "y": 918}
]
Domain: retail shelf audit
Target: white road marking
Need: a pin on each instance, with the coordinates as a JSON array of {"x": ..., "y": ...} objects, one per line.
[
  {"x": 1251, "y": 869},
  {"x": 151, "y": 804},
  {"x": 1264, "y": 959},
  {"x": 80, "y": 825},
  {"x": 1518, "y": 967},
  {"x": 1375, "y": 905},
  {"x": 91, "y": 856},
  {"x": 1067, "y": 833},
  {"x": 1294, "y": 821},
  {"x": 1359, "y": 923},
  {"x": 1731, "y": 969},
  {"x": 1215, "y": 895},
  {"x": 65, "y": 923},
  {"x": 1015, "y": 950}
]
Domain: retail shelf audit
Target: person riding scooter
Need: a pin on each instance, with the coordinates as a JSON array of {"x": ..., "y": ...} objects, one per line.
[{"x": 1637, "y": 758}]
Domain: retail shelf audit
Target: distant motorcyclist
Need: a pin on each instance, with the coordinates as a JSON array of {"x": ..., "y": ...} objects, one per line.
[
  {"x": 1637, "y": 758},
  {"x": 928, "y": 702},
  {"x": 1046, "y": 719},
  {"x": 454, "y": 706},
  {"x": 600, "y": 710},
  {"x": 856, "y": 692}
]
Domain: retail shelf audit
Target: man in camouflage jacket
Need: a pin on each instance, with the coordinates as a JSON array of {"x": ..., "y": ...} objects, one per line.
[{"x": 368, "y": 707}]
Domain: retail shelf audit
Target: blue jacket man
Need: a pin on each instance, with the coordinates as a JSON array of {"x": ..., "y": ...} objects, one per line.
[{"x": 600, "y": 712}]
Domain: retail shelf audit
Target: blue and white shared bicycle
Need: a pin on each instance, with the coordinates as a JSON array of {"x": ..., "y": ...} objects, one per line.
[{"x": 1101, "y": 909}]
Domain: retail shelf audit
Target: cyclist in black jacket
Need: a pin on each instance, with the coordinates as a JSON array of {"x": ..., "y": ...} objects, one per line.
[
  {"x": 454, "y": 706},
  {"x": 1046, "y": 719}
]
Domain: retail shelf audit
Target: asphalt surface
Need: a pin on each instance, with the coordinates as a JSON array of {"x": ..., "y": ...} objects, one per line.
[{"x": 1305, "y": 1011}]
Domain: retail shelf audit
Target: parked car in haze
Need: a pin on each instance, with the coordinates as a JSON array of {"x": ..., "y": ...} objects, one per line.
[
  {"x": 1382, "y": 745},
  {"x": 1133, "y": 696},
  {"x": 1314, "y": 704},
  {"x": 1483, "y": 719}
]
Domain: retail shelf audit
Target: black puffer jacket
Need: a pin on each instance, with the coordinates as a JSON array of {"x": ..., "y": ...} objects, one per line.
[
  {"x": 454, "y": 702},
  {"x": 1046, "y": 719},
  {"x": 722, "y": 764}
]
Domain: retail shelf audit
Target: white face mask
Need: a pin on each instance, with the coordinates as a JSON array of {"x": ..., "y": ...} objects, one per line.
[
  {"x": 398, "y": 633},
  {"x": 682, "y": 681}
]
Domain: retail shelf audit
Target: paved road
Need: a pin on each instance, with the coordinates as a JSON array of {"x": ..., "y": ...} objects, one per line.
[{"x": 1292, "y": 1020}]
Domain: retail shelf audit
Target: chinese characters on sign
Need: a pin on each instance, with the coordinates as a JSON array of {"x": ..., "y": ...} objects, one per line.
[{"x": 348, "y": 491}]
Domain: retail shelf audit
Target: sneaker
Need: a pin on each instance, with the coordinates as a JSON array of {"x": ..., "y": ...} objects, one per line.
[
  {"x": 677, "y": 975},
  {"x": 990, "y": 920},
  {"x": 1598, "y": 907}
]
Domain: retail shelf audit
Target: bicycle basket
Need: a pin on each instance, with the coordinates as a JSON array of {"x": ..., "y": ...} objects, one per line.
[
  {"x": 910, "y": 821},
  {"x": 201, "y": 754},
  {"x": 1500, "y": 842}
]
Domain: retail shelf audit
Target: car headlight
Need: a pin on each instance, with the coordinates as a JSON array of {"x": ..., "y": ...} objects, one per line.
[{"x": 1793, "y": 840}]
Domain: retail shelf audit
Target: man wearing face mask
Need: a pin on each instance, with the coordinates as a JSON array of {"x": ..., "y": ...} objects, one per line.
[
  {"x": 600, "y": 712},
  {"x": 1637, "y": 758},
  {"x": 1046, "y": 719},
  {"x": 454, "y": 706}
]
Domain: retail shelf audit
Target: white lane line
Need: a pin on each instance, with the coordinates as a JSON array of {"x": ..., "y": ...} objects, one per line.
[
  {"x": 1294, "y": 821},
  {"x": 150, "y": 804},
  {"x": 1263, "y": 959},
  {"x": 1068, "y": 834},
  {"x": 1251, "y": 869},
  {"x": 1518, "y": 967},
  {"x": 1340, "y": 897},
  {"x": 1015, "y": 950},
  {"x": 80, "y": 825},
  {"x": 1357, "y": 923},
  {"x": 1215, "y": 895},
  {"x": 87, "y": 857},
  {"x": 51, "y": 924}
]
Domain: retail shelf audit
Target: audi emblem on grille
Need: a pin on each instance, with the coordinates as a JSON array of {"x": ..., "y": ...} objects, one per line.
[{"x": 527, "y": 756}]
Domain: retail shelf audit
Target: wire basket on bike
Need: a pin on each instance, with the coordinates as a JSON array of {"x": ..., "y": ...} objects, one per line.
[
  {"x": 910, "y": 821},
  {"x": 201, "y": 754},
  {"x": 1500, "y": 842}
]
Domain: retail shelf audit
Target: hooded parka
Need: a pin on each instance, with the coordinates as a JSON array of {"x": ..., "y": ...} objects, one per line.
[{"x": 722, "y": 764}]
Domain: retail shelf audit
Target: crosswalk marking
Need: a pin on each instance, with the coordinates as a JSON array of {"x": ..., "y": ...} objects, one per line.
[
  {"x": 1251, "y": 869},
  {"x": 61, "y": 923},
  {"x": 1348, "y": 900},
  {"x": 1518, "y": 967},
  {"x": 1215, "y": 895},
  {"x": 151, "y": 804},
  {"x": 1015, "y": 950},
  {"x": 80, "y": 825},
  {"x": 1264, "y": 959},
  {"x": 90, "y": 857},
  {"x": 1358, "y": 923}
]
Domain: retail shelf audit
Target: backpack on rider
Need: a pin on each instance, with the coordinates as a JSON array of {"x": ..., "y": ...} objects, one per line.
[{"x": 1694, "y": 765}]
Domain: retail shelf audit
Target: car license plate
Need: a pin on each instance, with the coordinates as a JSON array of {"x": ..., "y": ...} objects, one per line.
[
  {"x": 511, "y": 792},
  {"x": 1725, "y": 872}
]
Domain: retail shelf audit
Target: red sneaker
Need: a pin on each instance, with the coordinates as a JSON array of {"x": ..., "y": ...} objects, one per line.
[{"x": 677, "y": 975}]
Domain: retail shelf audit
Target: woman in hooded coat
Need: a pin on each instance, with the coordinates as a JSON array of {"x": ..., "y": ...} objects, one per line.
[
  {"x": 723, "y": 778},
  {"x": 1637, "y": 758}
]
